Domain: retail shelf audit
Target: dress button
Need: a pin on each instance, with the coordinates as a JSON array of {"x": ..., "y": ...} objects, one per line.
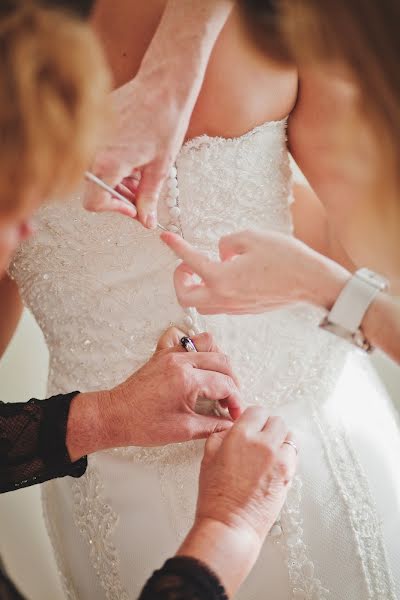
[
  {"x": 276, "y": 531},
  {"x": 173, "y": 172},
  {"x": 172, "y": 184},
  {"x": 173, "y": 229},
  {"x": 174, "y": 212},
  {"x": 171, "y": 202},
  {"x": 299, "y": 595}
]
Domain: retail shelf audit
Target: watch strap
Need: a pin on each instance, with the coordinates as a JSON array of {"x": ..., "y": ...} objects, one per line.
[{"x": 352, "y": 304}]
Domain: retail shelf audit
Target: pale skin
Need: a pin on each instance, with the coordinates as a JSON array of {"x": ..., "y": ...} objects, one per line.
[
  {"x": 156, "y": 405},
  {"x": 325, "y": 101}
]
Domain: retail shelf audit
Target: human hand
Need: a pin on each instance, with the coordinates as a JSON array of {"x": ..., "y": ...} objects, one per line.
[
  {"x": 156, "y": 405},
  {"x": 244, "y": 480},
  {"x": 246, "y": 472},
  {"x": 257, "y": 272},
  {"x": 148, "y": 130}
]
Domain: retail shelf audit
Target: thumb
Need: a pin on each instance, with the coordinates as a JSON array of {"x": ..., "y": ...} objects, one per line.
[
  {"x": 96, "y": 199},
  {"x": 148, "y": 193},
  {"x": 170, "y": 339},
  {"x": 205, "y": 426},
  {"x": 234, "y": 244}
]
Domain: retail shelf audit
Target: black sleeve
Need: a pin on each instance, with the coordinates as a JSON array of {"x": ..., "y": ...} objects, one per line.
[
  {"x": 183, "y": 578},
  {"x": 33, "y": 442}
]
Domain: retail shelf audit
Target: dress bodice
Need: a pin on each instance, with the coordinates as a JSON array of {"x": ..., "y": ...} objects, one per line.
[
  {"x": 100, "y": 286},
  {"x": 101, "y": 289}
]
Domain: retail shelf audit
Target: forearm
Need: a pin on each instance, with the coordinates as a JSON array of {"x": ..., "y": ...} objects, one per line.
[
  {"x": 33, "y": 448},
  {"x": 180, "y": 50},
  {"x": 381, "y": 325},
  {"x": 230, "y": 553}
]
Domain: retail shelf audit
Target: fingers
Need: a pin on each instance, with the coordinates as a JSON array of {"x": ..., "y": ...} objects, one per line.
[
  {"x": 287, "y": 460},
  {"x": 275, "y": 429},
  {"x": 171, "y": 339},
  {"x": 196, "y": 260},
  {"x": 110, "y": 172},
  {"x": 204, "y": 342},
  {"x": 217, "y": 386},
  {"x": 234, "y": 244},
  {"x": 148, "y": 193},
  {"x": 252, "y": 420},
  {"x": 203, "y": 427},
  {"x": 132, "y": 182},
  {"x": 213, "y": 361},
  {"x": 188, "y": 292}
]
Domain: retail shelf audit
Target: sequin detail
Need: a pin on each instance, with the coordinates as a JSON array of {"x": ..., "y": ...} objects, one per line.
[
  {"x": 101, "y": 289},
  {"x": 96, "y": 521}
]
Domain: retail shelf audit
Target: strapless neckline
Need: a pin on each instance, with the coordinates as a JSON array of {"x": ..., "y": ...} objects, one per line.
[{"x": 204, "y": 138}]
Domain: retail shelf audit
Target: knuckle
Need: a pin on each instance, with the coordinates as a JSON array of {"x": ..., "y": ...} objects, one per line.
[
  {"x": 278, "y": 422},
  {"x": 282, "y": 470},
  {"x": 207, "y": 339},
  {"x": 242, "y": 436},
  {"x": 268, "y": 451},
  {"x": 225, "y": 360},
  {"x": 172, "y": 362}
]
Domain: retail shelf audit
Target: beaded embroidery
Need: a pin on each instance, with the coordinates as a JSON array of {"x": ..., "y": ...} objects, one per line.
[{"x": 101, "y": 290}]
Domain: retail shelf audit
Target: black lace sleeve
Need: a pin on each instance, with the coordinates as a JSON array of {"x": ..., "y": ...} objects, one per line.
[
  {"x": 33, "y": 442},
  {"x": 183, "y": 578}
]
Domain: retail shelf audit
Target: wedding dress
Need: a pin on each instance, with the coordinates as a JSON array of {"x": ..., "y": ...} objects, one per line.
[{"x": 100, "y": 287}]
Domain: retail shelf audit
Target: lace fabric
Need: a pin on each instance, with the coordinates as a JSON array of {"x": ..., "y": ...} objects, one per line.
[
  {"x": 101, "y": 289},
  {"x": 182, "y": 578},
  {"x": 32, "y": 443}
]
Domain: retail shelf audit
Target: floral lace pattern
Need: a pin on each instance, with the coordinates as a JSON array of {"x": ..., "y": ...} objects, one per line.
[
  {"x": 96, "y": 521},
  {"x": 304, "y": 583},
  {"x": 101, "y": 289},
  {"x": 361, "y": 511}
]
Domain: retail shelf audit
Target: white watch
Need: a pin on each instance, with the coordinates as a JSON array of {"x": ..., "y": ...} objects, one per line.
[{"x": 348, "y": 312}]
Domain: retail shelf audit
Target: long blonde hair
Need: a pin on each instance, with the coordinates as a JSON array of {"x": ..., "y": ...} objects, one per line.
[
  {"x": 361, "y": 35},
  {"x": 53, "y": 86}
]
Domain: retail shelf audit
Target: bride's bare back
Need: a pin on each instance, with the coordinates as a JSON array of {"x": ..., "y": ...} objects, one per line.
[{"x": 241, "y": 89}]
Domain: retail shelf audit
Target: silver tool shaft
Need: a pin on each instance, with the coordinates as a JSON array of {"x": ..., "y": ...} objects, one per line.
[{"x": 104, "y": 186}]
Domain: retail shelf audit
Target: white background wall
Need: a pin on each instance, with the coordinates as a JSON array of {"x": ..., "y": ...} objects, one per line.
[{"x": 23, "y": 540}]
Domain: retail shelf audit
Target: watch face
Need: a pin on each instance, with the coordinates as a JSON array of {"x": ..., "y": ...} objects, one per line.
[{"x": 373, "y": 278}]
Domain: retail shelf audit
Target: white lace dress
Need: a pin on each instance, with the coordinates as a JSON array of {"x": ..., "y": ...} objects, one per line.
[{"x": 101, "y": 289}]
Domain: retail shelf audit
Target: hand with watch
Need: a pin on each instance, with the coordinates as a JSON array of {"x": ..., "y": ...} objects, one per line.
[{"x": 258, "y": 272}]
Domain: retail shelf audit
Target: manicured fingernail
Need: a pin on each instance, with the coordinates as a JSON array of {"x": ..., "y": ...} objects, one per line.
[{"x": 151, "y": 221}]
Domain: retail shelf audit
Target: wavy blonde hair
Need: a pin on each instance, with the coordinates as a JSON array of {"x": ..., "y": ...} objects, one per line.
[{"x": 53, "y": 85}]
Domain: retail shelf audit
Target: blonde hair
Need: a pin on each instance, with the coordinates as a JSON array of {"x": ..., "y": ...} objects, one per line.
[
  {"x": 361, "y": 35},
  {"x": 53, "y": 86}
]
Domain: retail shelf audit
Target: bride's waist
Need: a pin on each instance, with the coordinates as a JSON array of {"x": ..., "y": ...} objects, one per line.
[{"x": 269, "y": 356}]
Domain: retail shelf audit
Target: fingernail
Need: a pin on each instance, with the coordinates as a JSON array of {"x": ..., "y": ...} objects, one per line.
[{"x": 151, "y": 221}]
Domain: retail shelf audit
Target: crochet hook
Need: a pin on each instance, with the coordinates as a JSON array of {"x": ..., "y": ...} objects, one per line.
[{"x": 103, "y": 185}]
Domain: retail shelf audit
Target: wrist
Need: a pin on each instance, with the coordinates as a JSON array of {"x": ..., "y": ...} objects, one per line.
[
  {"x": 84, "y": 425},
  {"x": 327, "y": 279},
  {"x": 229, "y": 551},
  {"x": 381, "y": 325}
]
